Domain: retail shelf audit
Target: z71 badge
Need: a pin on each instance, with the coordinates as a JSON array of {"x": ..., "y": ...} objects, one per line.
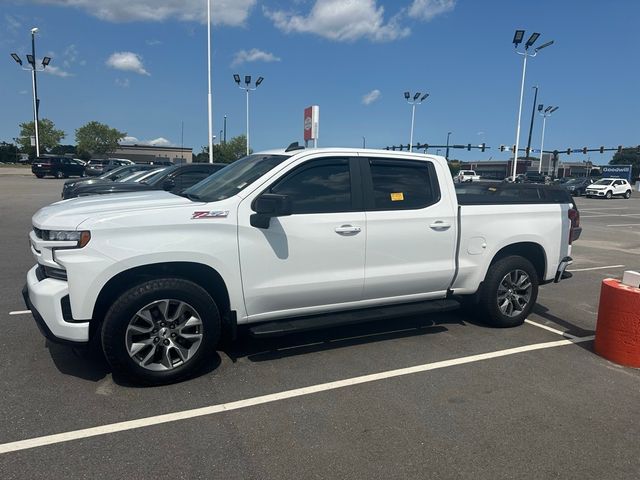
[{"x": 211, "y": 214}]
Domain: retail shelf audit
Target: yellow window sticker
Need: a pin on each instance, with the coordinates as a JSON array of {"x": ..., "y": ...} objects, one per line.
[{"x": 397, "y": 196}]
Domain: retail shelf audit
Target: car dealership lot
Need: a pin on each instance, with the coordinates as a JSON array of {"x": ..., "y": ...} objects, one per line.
[{"x": 528, "y": 408}]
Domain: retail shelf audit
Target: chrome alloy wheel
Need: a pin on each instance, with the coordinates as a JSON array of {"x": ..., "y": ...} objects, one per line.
[
  {"x": 164, "y": 335},
  {"x": 514, "y": 293}
]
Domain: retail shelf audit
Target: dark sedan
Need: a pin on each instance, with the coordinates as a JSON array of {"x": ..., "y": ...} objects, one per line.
[
  {"x": 111, "y": 176},
  {"x": 59, "y": 167},
  {"x": 577, "y": 186},
  {"x": 174, "y": 179}
]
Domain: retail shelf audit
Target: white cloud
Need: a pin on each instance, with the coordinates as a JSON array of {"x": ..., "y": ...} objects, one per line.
[
  {"x": 24, "y": 92},
  {"x": 371, "y": 97},
  {"x": 70, "y": 55},
  {"x": 223, "y": 12},
  {"x": 156, "y": 142},
  {"x": 253, "y": 55},
  {"x": 127, "y": 61},
  {"x": 57, "y": 71},
  {"x": 427, "y": 9},
  {"x": 341, "y": 20},
  {"x": 13, "y": 22},
  {"x": 153, "y": 42},
  {"x": 123, "y": 82}
]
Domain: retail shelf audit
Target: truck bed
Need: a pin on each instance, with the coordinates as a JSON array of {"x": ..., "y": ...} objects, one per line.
[{"x": 500, "y": 193}]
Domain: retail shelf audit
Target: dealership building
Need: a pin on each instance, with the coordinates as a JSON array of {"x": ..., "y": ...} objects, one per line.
[
  {"x": 151, "y": 153},
  {"x": 499, "y": 170}
]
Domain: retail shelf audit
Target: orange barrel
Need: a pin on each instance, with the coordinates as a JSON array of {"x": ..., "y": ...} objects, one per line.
[{"x": 618, "y": 327}]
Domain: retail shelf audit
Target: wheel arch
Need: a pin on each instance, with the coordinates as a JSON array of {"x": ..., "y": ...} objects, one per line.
[
  {"x": 534, "y": 252},
  {"x": 203, "y": 275}
]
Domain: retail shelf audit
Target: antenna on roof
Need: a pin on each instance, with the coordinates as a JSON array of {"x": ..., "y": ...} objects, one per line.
[{"x": 294, "y": 146}]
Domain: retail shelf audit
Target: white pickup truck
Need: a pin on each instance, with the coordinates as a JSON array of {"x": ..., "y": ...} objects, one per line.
[
  {"x": 467, "y": 176},
  {"x": 289, "y": 240}
]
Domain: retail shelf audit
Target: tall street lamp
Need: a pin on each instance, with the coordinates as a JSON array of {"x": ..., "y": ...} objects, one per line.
[
  {"x": 209, "y": 102},
  {"x": 517, "y": 40},
  {"x": 416, "y": 100},
  {"x": 545, "y": 113},
  {"x": 533, "y": 114},
  {"x": 31, "y": 59},
  {"x": 247, "y": 88},
  {"x": 446, "y": 155}
]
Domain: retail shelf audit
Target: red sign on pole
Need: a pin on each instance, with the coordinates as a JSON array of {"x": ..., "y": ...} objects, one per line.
[{"x": 308, "y": 123}]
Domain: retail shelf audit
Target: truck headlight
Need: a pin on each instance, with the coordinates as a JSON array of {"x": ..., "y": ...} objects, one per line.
[{"x": 80, "y": 236}]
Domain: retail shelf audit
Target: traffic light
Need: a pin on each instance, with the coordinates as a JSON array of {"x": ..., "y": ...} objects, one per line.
[
  {"x": 568, "y": 151},
  {"x": 527, "y": 150},
  {"x": 393, "y": 147},
  {"x": 619, "y": 148},
  {"x": 483, "y": 147},
  {"x": 502, "y": 148},
  {"x": 584, "y": 150},
  {"x": 469, "y": 147},
  {"x": 513, "y": 149},
  {"x": 601, "y": 149}
]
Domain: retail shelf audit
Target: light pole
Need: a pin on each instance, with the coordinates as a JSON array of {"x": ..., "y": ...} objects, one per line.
[
  {"x": 517, "y": 40},
  {"x": 209, "y": 103},
  {"x": 225, "y": 130},
  {"x": 364, "y": 142},
  {"x": 533, "y": 114},
  {"x": 31, "y": 59},
  {"x": 446, "y": 155},
  {"x": 545, "y": 113},
  {"x": 247, "y": 88},
  {"x": 416, "y": 100}
]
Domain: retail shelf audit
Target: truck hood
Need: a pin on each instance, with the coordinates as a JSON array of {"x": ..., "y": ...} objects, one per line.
[{"x": 69, "y": 214}]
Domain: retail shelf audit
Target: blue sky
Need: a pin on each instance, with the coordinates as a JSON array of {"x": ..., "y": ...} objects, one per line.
[{"x": 140, "y": 66}]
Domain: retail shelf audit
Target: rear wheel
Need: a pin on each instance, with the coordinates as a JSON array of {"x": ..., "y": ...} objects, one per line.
[
  {"x": 608, "y": 195},
  {"x": 39, "y": 175},
  {"x": 161, "y": 331},
  {"x": 509, "y": 292},
  {"x": 627, "y": 194}
]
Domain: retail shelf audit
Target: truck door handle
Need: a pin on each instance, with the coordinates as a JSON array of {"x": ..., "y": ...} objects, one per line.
[
  {"x": 348, "y": 230},
  {"x": 439, "y": 225}
]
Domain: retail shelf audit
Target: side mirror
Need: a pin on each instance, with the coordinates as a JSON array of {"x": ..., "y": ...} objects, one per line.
[
  {"x": 269, "y": 205},
  {"x": 169, "y": 184}
]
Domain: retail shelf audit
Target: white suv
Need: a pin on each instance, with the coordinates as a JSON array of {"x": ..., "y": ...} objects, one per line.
[{"x": 608, "y": 187}]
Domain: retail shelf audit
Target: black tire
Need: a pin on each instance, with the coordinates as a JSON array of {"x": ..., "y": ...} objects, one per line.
[
  {"x": 126, "y": 307},
  {"x": 627, "y": 194},
  {"x": 59, "y": 174},
  {"x": 39, "y": 175},
  {"x": 608, "y": 195},
  {"x": 489, "y": 296}
]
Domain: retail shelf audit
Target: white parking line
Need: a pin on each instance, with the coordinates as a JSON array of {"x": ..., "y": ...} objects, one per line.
[
  {"x": 20, "y": 312},
  {"x": 611, "y": 215},
  {"x": 624, "y": 225},
  {"x": 274, "y": 397},
  {"x": 595, "y": 268},
  {"x": 550, "y": 329}
]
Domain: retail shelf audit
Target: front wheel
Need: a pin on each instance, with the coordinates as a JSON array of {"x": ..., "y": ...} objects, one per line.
[
  {"x": 609, "y": 195},
  {"x": 627, "y": 194},
  {"x": 509, "y": 292},
  {"x": 39, "y": 175},
  {"x": 161, "y": 331}
]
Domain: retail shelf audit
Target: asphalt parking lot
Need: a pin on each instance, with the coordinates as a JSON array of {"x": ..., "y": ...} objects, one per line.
[{"x": 439, "y": 396}]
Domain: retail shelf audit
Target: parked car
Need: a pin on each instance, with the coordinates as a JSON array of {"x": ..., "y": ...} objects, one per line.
[
  {"x": 173, "y": 179},
  {"x": 99, "y": 166},
  {"x": 111, "y": 176},
  {"x": 466, "y": 176},
  {"x": 285, "y": 241},
  {"x": 59, "y": 167},
  {"x": 535, "y": 177},
  {"x": 577, "y": 186},
  {"x": 608, "y": 188}
]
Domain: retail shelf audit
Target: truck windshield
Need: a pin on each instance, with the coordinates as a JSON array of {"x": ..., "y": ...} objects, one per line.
[{"x": 230, "y": 180}]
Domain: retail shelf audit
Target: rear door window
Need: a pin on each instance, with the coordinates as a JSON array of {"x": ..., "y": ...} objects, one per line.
[{"x": 402, "y": 185}]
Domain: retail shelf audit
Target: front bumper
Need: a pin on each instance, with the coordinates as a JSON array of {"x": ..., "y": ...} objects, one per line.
[
  {"x": 595, "y": 193},
  {"x": 45, "y": 299}
]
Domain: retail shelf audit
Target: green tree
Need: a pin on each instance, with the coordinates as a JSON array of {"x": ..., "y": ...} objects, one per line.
[
  {"x": 64, "y": 150},
  {"x": 628, "y": 156},
  {"x": 227, "y": 152},
  {"x": 48, "y": 135},
  {"x": 98, "y": 138}
]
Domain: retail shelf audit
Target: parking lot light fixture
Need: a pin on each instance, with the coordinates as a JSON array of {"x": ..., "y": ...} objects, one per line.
[
  {"x": 544, "y": 45},
  {"x": 413, "y": 102},
  {"x": 546, "y": 113},
  {"x": 31, "y": 59},
  {"x": 16, "y": 58},
  {"x": 247, "y": 88},
  {"x": 46, "y": 61},
  {"x": 517, "y": 39}
]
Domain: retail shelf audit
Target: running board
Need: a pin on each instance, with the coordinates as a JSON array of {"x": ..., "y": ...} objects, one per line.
[{"x": 349, "y": 317}]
